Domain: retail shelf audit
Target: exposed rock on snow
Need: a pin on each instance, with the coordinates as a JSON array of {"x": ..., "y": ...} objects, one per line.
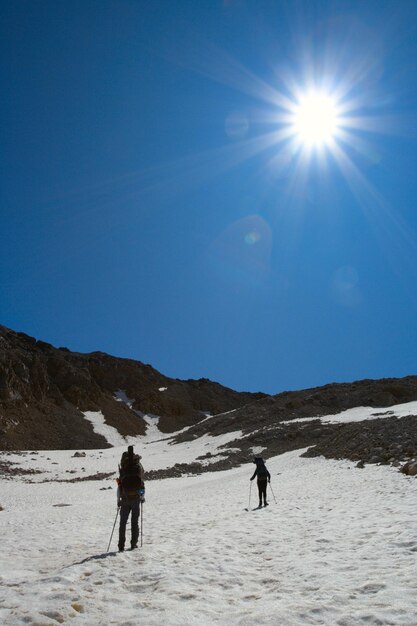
[
  {"x": 9, "y": 469},
  {"x": 410, "y": 468},
  {"x": 383, "y": 440}
]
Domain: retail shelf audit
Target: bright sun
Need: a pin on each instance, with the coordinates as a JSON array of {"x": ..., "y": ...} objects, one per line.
[{"x": 315, "y": 120}]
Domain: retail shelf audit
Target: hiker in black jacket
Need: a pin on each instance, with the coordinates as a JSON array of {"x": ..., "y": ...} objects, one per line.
[
  {"x": 264, "y": 477},
  {"x": 130, "y": 496}
]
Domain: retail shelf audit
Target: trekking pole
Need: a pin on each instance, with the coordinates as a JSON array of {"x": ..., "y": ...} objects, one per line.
[
  {"x": 141, "y": 524},
  {"x": 111, "y": 536},
  {"x": 250, "y": 489},
  {"x": 270, "y": 486}
]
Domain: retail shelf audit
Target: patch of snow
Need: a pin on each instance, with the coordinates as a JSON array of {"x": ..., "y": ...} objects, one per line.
[
  {"x": 152, "y": 431},
  {"x": 100, "y": 427},
  {"x": 121, "y": 396},
  {"x": 162, "y": 388},
  {"x": 257, "y": 450},
  {"x": 362, "y": 413}
]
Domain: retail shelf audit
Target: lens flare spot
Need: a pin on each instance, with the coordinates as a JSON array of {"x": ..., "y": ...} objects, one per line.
[
  {"x": 252, "y": 237},
  {"x": 236, "y": 125}
]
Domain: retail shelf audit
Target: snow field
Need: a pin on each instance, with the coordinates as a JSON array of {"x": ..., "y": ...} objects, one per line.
[{"x": 339, "y": 549}]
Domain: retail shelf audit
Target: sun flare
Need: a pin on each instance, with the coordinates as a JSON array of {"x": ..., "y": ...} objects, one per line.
[{"x": 315, "y": 121}]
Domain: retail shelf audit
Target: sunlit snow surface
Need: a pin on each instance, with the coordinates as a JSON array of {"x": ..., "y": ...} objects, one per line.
[{"x": 338, "y": 548}]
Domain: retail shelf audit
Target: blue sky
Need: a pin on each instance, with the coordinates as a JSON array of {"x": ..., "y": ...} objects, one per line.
[{"x": 151, "y": 209}]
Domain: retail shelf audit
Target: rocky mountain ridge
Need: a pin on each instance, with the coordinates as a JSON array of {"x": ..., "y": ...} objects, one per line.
[{"x": 44, "y": 392}]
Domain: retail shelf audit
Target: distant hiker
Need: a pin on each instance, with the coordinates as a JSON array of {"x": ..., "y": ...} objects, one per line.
[
  {"x": 264, "y": 477},
  {"x": 130, "y": 496}
]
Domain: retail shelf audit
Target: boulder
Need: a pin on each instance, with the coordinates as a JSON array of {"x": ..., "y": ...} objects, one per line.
[{"x": 410, "y": 468}]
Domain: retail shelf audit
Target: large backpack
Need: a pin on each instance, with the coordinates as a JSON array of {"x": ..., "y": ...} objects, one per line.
[
  {"x": 260, "y": 466},
  {"x": 131, "y": 474}
]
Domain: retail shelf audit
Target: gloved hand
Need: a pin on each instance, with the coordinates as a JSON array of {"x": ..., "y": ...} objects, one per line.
[
  {"x": 142, "y": 499},
  {"x": 251, "y": 479},
  {"x": 119, "y": 503}
]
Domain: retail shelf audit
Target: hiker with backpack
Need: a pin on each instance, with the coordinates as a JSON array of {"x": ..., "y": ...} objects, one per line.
[
  {"x": 130, "y": 496},
  {"x": 264, "y": 477}
]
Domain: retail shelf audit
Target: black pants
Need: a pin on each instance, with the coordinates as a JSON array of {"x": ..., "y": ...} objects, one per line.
[
  {"x": 127, "y": 507},
  {"x": 262, "y": 483}
]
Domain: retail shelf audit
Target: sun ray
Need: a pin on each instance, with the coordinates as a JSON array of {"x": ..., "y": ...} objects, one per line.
[{"x": 379, "y": 215}]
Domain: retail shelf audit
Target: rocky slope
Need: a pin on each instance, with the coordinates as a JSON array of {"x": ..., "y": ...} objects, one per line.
[
  {"x": 271, "y": 424},
  {"x": 44, "y": 392},
  {"x": 384, "y": 440},
  {"x": 270, "y": 411}
]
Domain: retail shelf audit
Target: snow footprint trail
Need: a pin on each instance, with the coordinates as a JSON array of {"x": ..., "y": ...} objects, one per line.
[
  {"x": 345, "y": 561},
  {"x": 267, "y": 563},
  {"x": 339, "y": 548}
]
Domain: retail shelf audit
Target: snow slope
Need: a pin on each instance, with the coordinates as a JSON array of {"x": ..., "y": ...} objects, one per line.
[{"x": 338, "y": 548}]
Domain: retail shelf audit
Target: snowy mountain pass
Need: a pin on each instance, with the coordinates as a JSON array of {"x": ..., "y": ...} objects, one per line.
[{"x": 338, "y": 548}]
